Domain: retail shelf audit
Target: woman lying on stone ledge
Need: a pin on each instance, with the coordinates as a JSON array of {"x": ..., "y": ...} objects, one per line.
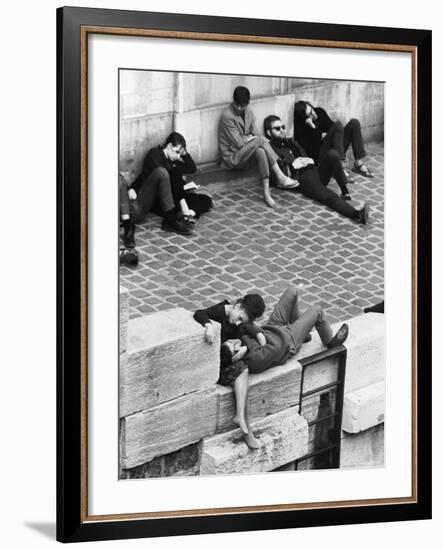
[{"x": 284, "y": 334}]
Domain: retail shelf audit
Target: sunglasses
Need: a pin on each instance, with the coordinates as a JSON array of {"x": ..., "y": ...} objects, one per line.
[{"x": 278, "y": 128}]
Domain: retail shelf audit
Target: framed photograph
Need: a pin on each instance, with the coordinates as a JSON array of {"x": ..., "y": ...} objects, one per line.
[{"x": 244, "y": 274}]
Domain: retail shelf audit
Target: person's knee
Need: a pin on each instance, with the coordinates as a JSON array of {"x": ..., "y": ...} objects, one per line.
[
  {"x": 354, "y": 123},
  {"x": 338, "y": 125},
  {"x": 262, "y": 141},
  {"x": 292, "y": 290},
  {"x": 161, "y": 173},
  {"x": 318, "y": 310},
  {"x": 332, "y": 155}
]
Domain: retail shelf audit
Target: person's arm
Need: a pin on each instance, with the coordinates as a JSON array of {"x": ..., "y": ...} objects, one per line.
[
  {"x": 185, "y": 166},
  {"x": 253, "y": 127},
  {"x": 204, "y": 317},
  {"x": 324, "y": 122},
  {"x": 232, "y": 132}
]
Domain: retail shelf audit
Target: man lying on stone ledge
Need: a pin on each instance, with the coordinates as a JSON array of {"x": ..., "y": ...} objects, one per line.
[{"x": 285, "y": 332}]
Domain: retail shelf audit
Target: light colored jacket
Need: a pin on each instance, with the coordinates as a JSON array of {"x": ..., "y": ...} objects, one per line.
[{"x": 233, "y": 132}]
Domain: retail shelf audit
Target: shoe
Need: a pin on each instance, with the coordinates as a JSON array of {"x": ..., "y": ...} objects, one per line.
[
  {"x": 363, "y": 170},
  {"x": 363, "y": 214},
  {"x": 177, "y": 226},
  {"x": 340, "y": 336},
  {"x": 129, "y": 233},
  {"x": 128, "y": 257},
  {"x": 287, "y": 183},
  {"x": 346, "y": 196},
  {"x": 349, "y": 176}
]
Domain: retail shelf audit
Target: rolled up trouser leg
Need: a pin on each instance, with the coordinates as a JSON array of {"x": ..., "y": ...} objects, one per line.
[
  {"x": 313, "y": 316},
  {"x": 352, "y": 135}
]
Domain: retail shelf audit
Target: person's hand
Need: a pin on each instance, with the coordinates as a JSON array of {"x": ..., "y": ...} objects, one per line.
[
  {"x": 308, "y": 161},
  {"x": 132, "y": 194},
  {"x": 261, "y": 339},
  {"x": 310, "y": 123},
  {"x": 323, "y": 135},
  {"x": 209, "y": 334},
  {"x": 240, "y": 354},
  {"x": 298, "y": 163}
]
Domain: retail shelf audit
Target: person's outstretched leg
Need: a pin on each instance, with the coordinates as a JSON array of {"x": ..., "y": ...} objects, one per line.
[
  {"x": 286, "y": 311},
  {"x": 332, "y": 166},
  {"x": 263, "y": 167},
  {"x": 241, "y": 395},
  {"x": 311, "y": 186}
]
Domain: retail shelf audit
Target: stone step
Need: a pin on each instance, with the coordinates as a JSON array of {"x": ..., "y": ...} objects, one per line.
[
  {"x": 217, "y": 179},
  {"x": 167, "y": 427},
  {"x": 166, "y": 358},
  {"x": 269, "y": 392},
  {"x": 364, "y": 449},
  {"x": 283, "y": 438},
  {"x": 364, "y": 408}
]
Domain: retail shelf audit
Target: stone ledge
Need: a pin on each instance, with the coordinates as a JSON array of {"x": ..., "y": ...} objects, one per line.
[
  {"x": 363, "y": 450},
  {"x": 166, "y": 358},
  {"x": 167, "y": 427},
  {"x": 283, "y": 438},
  {"x": 269, "y": 392},
  {"x": 364, "y": 408}
]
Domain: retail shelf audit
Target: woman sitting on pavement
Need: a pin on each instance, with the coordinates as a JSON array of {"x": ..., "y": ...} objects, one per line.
[{"x": 318, "y": 133}]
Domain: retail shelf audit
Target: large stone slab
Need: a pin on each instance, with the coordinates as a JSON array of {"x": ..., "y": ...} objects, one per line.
[
  {"x": 166, "y": 358},
  {"x": 269, "y": 392},
  {"x": 365, "y": 345},
  {"x": 283, "y": 438},
  {"x": 363, "y": 450},
  {"x": 168, "y": 427},
  {"x": 364, "y": 408},
  {"x": 123, "y": 318}
]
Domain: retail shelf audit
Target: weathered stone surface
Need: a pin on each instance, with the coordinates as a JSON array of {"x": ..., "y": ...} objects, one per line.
[
  {"x": 363, "y": 450},
  {"x": 167, "y": 357},
  {"x": 364, "y": 408},
  {"x": 283, "y": 438},
  {"x": 184, "y": 462},
  {"x": 123, "y": 318},
  {"x": 269, "y": 392},
  {"x": 365, "y": 345},
  {"x": 168, "y": 427}
]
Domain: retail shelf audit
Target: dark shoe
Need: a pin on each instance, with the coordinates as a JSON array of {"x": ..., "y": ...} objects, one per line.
[
  {"x": 129, "y": 233},
  {"x": 176, "y": 226},
  {"x": 340, "y": 336},
  {"x": 363, "y": 170},
  {"x": 363, "y": 215},
  {"x": 307, "y": 339},
  {"x": 128, "y": 257},
  {"x": 346, "y": 196}
]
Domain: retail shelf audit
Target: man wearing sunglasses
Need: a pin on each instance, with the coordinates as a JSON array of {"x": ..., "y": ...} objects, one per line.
[{"x": 313, "y": 179}]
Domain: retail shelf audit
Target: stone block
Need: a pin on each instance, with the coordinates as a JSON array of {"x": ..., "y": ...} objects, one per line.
[
  {"x": 123, "y": 318},
  {"x": 168, "y": 427},
  {"x": 364, "y": 408},
  {"x": 184, "y": 462},
  {"x": 269, "y": 392},
  {"x": 166, "y": 358},
  {"x": 365, "y": 345},
  {"x": 283, "y": 438},
  {"x": 363, "y": 450}
]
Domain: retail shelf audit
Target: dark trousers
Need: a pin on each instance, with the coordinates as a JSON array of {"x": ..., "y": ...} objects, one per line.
[
  {"x": 340, "y": 138},
  {"x": 313, "y": 184},
  {"x": 156, "y": 186}
]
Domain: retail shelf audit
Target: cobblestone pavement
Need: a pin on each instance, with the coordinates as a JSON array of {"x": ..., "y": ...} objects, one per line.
[{"x": 243, "y": 246}]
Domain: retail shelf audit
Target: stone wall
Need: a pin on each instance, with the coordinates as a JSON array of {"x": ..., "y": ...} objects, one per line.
[
  {"x": 152, "y": 104},
  {"x": 175, "y": 419}
]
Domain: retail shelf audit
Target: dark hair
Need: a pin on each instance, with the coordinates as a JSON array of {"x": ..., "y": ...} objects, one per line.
[
  {"x": 225, "y": 356},
  {"x": 267, "y": 124},
  {"x": 241, "y": 96},
  {"x": 254, "y": 306},
  {"x": 175, "y": 139},
  {"x": 300, "y": 111}
]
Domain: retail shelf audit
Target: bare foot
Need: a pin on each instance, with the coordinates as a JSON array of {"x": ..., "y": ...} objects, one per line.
[
  {"x": 241, "y": 423},
  {"x": 269, "y": 200},
  {"x": 251, "y": 441}
]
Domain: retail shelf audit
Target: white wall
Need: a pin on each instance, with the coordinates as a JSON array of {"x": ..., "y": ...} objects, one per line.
[{"x": 28, "y": 272}]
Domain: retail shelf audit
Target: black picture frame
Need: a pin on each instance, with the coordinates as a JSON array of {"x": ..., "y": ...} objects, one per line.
[{"x": 73, "y": 523}]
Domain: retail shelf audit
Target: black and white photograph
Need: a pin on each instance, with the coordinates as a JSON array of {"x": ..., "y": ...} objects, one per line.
[{"x": 251, "y": 279}]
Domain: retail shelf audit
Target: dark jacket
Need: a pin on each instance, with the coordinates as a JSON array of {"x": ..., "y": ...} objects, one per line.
[
  {"x": 310, "y": 138},
  {"x": 277, "y": 350},
  {"x": 288, "y": 150}
]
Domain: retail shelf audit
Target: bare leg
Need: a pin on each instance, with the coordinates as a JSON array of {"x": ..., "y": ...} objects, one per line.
[
  {"x": 251, "y": 440},
  {"x": 267, "y": 193},
  {"x": 241, "y": 397}
]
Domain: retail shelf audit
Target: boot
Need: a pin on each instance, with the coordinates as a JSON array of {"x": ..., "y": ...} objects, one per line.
[
  {"x": 129, "y": 233},
  {"x": 172, "y": 223}
]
